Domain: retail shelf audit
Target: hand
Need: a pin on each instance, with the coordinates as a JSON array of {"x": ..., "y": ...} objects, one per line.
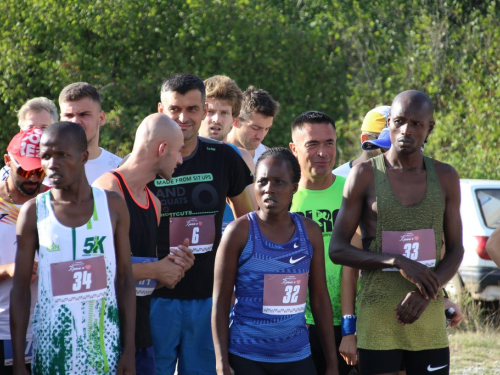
[
  {"x": 126, "y": 365},
  {"x": 423, "y": 277},
  {"x": 223, "y": 368},
  {"x": 184, "y": 256},
  {"x": 348, "y": 349},
  {"x": 168, "y": 272},
  {"x": 411, "y": 307},
  {"x": 457, "y": 317}
]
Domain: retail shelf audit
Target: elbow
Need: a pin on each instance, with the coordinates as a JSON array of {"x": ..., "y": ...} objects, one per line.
[{"x": 335, "y": 252}]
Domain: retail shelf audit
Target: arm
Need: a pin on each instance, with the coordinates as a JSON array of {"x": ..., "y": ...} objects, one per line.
[
  {"x": 20, "y": 295},
  {"x": 247, "y": 157},
  {"x": 124, "y": 282},
  {"x": 240, "y": 204},
  {"x": 320, "y": 300},
  {"x": 493, "y": 246},
  {"x": 358, "y": 188},
  {"x": 348, "y": 290},
  {"x": 452, "y": 224},
  {"x": 226, "y": 266}
]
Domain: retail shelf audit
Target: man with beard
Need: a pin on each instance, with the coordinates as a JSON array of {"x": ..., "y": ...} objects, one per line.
[
  {"x": 405, "y": 204},
  {"x": 157, "y": 151},
  {"x": 193, "y": 203},
  {"x": 24, "y": 182}
]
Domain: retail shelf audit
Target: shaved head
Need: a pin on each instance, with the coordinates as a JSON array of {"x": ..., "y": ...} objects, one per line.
[
  {"x": 155, "y": 129},
  {"x": 415, "y": 101},
  {"x": 158, "y": 143}
]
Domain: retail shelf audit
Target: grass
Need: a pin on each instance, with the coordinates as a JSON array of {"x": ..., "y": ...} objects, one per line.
[{"x": 475, "y": 344}]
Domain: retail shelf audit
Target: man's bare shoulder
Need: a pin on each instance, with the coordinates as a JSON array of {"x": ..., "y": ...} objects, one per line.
[
  {"x": 108, "y": 181},
  {"x": 115, "y": 200},
  {"x": 361, "y": 173},
  {"x": 447, "y": 175}
]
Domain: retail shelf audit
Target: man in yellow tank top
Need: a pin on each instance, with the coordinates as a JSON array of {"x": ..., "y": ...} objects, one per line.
[{"x": 405, "y": 204}]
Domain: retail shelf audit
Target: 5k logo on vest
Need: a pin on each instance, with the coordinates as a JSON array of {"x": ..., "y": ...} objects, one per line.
[{"x": 94, "y": 245}]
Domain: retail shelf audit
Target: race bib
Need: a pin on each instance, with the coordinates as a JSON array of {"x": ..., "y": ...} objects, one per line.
[
  {"x": 144, "y": 287},
  {"x": 418, "y": 245},
  {"x": 285, "y": 294},
  {"x": 199, "y": 229},
  {"x": 79, "y": 280},
  {"x": 9, "y": 353}
]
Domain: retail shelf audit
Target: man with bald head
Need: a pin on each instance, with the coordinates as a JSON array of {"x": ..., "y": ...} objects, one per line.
[
  {"x": 406, "y": 204},
  {"x": 156, "y": 151}
]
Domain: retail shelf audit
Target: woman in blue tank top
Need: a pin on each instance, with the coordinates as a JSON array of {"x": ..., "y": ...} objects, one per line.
[{"x": 269, "y": 258}]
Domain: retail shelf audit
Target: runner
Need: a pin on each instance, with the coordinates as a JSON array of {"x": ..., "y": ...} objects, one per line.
[
  {"x": 269, "y": 257},
  {"x": 86, "y": 286},
  {"x": 157, "y": 150},
  {"x": 193, "y": 203},
  {"x": 405, "y": 204},
  {"x": 22, "y": 185},
  {"x": 319, "y": 198}
]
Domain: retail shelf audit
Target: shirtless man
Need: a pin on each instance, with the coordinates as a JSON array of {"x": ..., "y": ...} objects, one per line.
[
  {"x": 157, "y": 151},
  {"x": 405, "y": 204},
  {"x": 86, "y": 307}
]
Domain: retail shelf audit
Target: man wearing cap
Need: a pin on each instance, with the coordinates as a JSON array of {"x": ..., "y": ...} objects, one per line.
[
  {"x": 80, "y": 103},
  {"x": 373, "y": 123},
  {"x": 24, "y": 182},
  {"x": 35, "y": 113},
  {"x": 405, "y": 204}
]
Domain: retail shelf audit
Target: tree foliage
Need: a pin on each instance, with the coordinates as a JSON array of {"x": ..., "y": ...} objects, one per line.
[{"x": 342, "y": 57}]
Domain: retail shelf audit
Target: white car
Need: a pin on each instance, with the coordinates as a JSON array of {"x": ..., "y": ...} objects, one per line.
[{"x": 478, "y": 275}]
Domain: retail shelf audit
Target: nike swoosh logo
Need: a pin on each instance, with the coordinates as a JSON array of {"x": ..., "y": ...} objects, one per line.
[
  {"x": 292, "y": 261},
  {"x": 295, "y": 245},
  {"x": 431, "y": 369}
]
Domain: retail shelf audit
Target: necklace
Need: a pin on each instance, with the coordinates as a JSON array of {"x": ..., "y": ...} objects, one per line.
[{"x": 8, "y": 191}]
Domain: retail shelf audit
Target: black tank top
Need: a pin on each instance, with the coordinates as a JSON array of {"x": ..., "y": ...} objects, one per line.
[{"x": 143, "y": 235}]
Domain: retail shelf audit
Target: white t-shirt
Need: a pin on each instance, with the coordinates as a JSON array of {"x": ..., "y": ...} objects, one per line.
[
  {"x": 8, "y": 219},
  {"x": 95, "y": 168},
  {"x": 343, "y": 170},
  {"x": 259, "y": 151}
]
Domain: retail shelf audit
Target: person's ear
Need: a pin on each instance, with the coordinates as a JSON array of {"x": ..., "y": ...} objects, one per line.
[
  {"x": 237, "y": 122},
  {"x": 85, "y": 156},
  {"x": 295, "y": 187},
  {"x": 365, "y": 137},
  {"x": 162, "y": 148},
  {"x": 160, "y": 108},
  {"x": 292, "y": 148},
  {"x": 6, "y": 158},
  {"x": 102, "y": 118}
]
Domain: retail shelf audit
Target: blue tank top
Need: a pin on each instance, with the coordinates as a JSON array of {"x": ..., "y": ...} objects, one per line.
[
  {"x": 228, "y": 213},
  {"x": 267, "y": 321}
]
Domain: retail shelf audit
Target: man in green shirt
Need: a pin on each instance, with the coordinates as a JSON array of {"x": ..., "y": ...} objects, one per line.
[{"x": 319, "y": 198}]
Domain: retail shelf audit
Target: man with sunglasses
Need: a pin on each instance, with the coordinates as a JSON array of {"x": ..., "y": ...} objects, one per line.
[{"x": 24, "y": 182}]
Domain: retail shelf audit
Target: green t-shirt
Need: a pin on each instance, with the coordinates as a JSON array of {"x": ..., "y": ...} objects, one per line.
[{"x": 322, "y": 206}]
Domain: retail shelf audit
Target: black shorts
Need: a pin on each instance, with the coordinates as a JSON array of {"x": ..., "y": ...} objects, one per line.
[
  {"x": 243, "y": 366},
  {"x": 318, "y": 355},
  {"x": 432, "y": 362}
]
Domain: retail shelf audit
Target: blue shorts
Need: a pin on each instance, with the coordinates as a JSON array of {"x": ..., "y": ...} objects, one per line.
[
  {"x": 181, "y": 330},
  {"x": 145, "y": 361}
]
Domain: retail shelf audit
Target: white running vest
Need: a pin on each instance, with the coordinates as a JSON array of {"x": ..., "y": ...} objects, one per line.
[{"x": 76, "y": 325}]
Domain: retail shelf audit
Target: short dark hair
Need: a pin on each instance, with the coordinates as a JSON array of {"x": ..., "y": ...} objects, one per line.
[
  {"x": 260, "y": 101},
  {"x": 79, "y": 90},
  {"x": 76, "y": 133},
  {"x": 312, "y": 117},
  {"x": 182, "y": 83},
  {"x": 283, "y": 154}
]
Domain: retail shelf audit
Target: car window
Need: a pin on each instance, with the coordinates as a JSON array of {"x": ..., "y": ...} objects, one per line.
[{"x": 489, "y": 204}]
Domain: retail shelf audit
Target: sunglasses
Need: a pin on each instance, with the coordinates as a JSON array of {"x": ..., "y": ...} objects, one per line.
[{"x": 27, "y": 174}]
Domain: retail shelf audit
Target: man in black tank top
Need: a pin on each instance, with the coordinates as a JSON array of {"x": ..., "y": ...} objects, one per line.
[
  {"x": 407, "y": 203},
  {"x": 156, "y": 151}
]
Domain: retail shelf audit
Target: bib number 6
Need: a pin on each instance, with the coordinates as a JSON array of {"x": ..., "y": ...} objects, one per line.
[
  {"x": 82, "y": 278},
  {"x": 291, "y": 294},
  {"x": 411, "y": 250}
]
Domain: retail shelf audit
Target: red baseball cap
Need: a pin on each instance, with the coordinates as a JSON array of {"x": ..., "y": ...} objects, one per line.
[{"x": 25, "y": 148}]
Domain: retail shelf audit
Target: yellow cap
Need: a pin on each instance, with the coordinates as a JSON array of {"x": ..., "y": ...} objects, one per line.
[{"x": 376, "y": 119}]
